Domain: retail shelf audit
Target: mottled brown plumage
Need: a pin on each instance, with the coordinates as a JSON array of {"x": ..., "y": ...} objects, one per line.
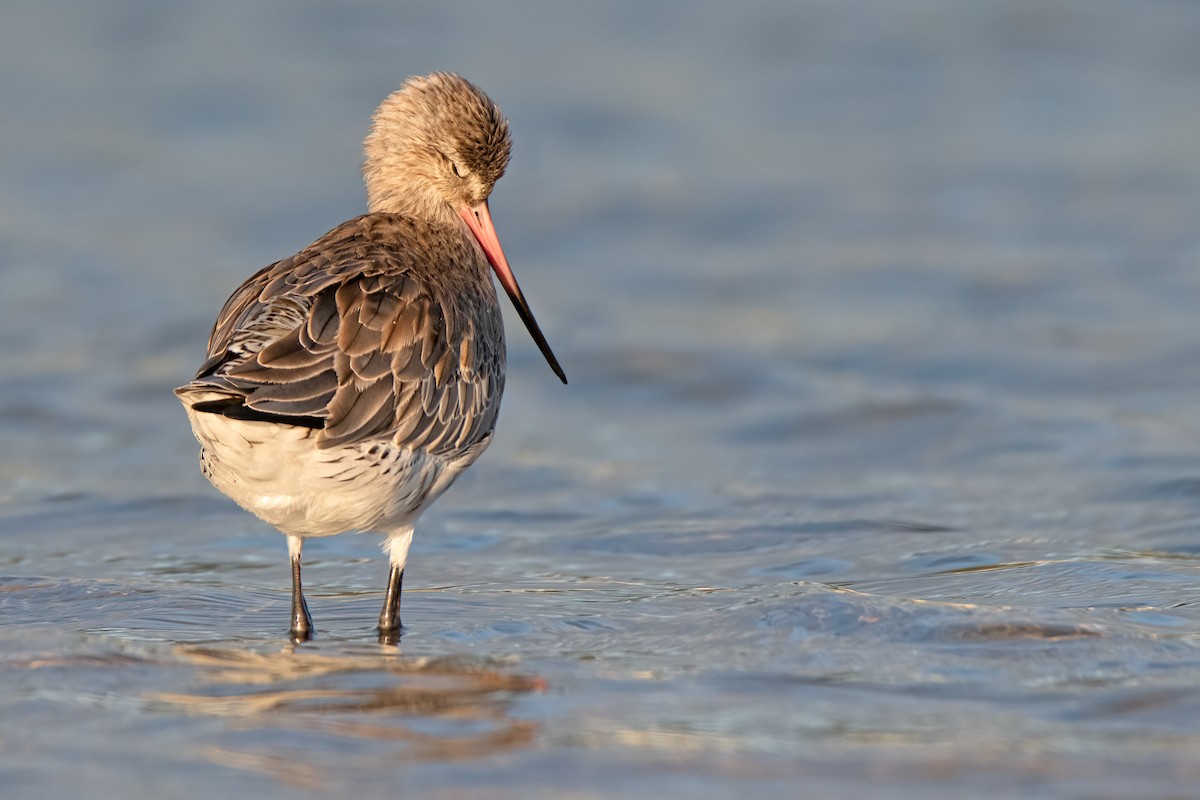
[
  {"x": 348, "y": 385},
  {"x": 351, "y": 336}
]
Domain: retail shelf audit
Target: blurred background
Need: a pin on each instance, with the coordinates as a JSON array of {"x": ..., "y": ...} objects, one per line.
[{"x": 878, "y": 470}]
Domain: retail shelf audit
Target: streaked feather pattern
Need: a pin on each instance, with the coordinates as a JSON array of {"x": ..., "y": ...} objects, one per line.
[{"x": 354, "y": 336}]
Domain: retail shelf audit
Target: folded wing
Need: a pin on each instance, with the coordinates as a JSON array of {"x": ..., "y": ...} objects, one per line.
[{"x": 352, "y": 344}]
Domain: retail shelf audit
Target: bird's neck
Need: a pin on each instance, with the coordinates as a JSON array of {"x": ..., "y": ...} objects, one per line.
[{"x": 394, "y": 188}]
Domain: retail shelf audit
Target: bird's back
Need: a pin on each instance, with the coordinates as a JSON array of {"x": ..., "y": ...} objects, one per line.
[{"x": 376, "y": 351}]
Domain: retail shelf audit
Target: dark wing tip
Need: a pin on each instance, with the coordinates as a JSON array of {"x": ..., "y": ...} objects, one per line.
[{"x": 234, "y": 408}]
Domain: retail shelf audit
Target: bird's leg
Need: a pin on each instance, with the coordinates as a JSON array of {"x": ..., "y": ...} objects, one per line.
[
  {"x": 302, "y": 623},
  {"x": 389, "y": 617},
  {"x": 396, "y": 547}
]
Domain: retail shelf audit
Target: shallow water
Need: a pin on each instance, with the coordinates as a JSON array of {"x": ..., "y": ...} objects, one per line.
[{"x": 878, "y": 471}]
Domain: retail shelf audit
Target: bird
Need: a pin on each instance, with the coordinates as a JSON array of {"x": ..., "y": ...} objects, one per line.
[{"x": 347, "y": 386}]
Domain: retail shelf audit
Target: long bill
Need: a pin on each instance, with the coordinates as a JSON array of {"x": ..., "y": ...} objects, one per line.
[{"x": 479, "y": 220}]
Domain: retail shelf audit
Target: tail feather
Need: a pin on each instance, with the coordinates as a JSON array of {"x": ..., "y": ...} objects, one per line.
[{"x": 214, "y": 395}]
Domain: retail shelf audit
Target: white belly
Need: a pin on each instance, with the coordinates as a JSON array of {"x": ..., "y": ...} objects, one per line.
[{"x": 277, "y": 473}]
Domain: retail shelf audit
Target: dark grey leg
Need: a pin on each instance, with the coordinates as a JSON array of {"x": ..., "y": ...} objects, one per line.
[
  {"x": 389, "y": 617},
  {"x": 302, "y": 623}
]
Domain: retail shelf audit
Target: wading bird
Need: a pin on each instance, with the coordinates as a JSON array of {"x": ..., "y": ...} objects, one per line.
[{"x": 348, "y": 385}]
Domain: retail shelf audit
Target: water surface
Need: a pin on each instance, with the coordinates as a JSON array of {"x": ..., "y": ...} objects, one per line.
[{"x": 878, "y": 471}]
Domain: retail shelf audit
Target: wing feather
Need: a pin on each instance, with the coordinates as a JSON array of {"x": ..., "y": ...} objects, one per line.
[{"x": 357, "y": 336}]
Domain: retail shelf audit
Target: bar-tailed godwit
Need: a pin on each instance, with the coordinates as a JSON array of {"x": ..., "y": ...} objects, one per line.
[{"x": 347, "y": 386}]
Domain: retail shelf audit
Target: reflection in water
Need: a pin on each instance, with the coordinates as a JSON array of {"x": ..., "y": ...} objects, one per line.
[{"x": 411, "y": 709}]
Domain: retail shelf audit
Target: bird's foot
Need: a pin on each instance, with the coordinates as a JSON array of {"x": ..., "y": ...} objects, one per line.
[
  {"x": 390, "y": 636},
  {"x": 302, "y": 624}
]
